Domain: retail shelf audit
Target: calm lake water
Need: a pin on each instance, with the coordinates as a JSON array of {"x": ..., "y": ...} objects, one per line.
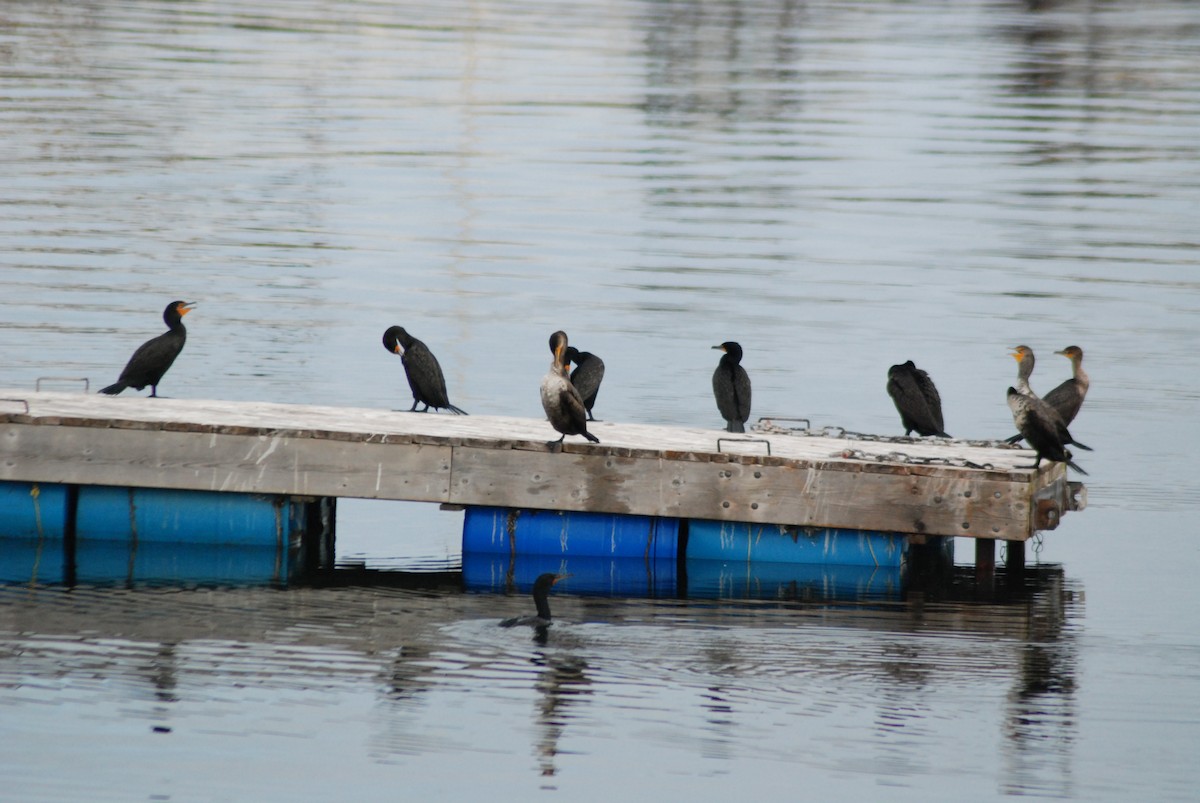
[{"x": 838, "y": 186}]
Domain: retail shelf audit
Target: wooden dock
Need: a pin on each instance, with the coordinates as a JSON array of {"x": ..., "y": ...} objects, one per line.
[{"x": 928, "y": 487}]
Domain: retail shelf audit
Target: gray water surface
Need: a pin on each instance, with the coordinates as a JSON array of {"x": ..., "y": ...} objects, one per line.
[{"x": 838, "y": 186}]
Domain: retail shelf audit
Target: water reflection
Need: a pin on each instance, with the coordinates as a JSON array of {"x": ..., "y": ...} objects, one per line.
[
  {"x": 562, "y": 685},
  {"x": 1041, "y": 719}
]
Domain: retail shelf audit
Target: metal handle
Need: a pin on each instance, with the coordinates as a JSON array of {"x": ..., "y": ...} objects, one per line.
[
  {"x": 87, "y": 384},
  {"x": 744, "y": 440},
  {"x": 22, "y": 401}
]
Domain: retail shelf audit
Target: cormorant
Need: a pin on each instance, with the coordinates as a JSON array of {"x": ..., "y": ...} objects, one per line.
[
  {"x": 1024, "y": 357},
  {"x": 588, "y": 373},
  {"x": 561, "y": 401},
  {"x": 154, "y": 357},
  {"x": 916, "y": 399},
  {"x": 1068, "y": 397},
  {"x": 731, "y": 387},
  {"x": 541, "y": 590},
  {"x": 422, "y": 369},
  {"x": 1025, "y": 361},
  {"x": 1042, "y": 427}
]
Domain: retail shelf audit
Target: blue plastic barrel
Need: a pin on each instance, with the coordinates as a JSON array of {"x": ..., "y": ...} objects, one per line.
[
  {"x": 32, "y": 510},
  {"x": 766, "y": 543},
  {"x": 207, "y": 517},
  {"x": 565, "y": 533}
]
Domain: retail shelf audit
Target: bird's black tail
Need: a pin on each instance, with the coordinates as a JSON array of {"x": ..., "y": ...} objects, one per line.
[
  {"x": 1081, "y": 446},
  {"x": 1072, "y": 464},
  {"x": 1015, "y": 438},
  {"x": 943, "y": 435},
  {"x": 591, "y": 437},
  {"x": 114, "y": 389},
  {"x": 735, "y": 426},
  {"x": 456, "y": 410}
]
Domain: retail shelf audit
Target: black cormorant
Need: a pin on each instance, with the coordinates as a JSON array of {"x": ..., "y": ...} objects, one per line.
[
  {"x": 424, "y": 374},
  {"x": 541, "y": 590},
  {"x": 731, "y": 387},
  {"x": 154, "y": 357},
  {"x": 561, "y": 401},
  {"x": 1068, "y": 397},
  {"x": 916, "y": 399},
  {"x": 1041, "y": 426},
  {"x": 588, "y": 373}
]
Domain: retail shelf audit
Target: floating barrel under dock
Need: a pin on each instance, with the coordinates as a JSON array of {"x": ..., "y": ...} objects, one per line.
[{"x": 790, "y": 483}]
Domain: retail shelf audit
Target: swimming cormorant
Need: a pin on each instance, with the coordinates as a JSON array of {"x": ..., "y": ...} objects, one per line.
[
  {"x": 1068, "y": 397},
  {"x": 154, "y": 357},
  {"x": 588, "y": 373},
  {"x": 424, "y": 374},
  {"x": 731, "y": 387},
  {"x": 1042, "y": 427},
  {"x": 541, "y": 590},
  {"x": 561, "y": 401},
  {"x": 916, "y": 399}
]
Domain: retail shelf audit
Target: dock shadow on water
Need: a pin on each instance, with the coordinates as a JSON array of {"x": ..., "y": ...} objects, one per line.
[{"x": 406, "y": 662}]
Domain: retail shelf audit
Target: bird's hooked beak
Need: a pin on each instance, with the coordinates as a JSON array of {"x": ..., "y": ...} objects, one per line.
[
  {"x": 186, "y": 307},
  {"x": 1016, "y": 355},
  {"x": 558, "y": 577},
  {"x": 719, "y": 348}
]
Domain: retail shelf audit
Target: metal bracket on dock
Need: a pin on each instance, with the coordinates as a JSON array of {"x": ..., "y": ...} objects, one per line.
[
  {"x": 768, "y": 423},
  {"x": 87, "y": 383},
  {"x": 1051, "y": 502},
  {"x": 19, "y": 401},
  {"x": 744, "y": 440},
  {"x": 1077, "y": 495}
]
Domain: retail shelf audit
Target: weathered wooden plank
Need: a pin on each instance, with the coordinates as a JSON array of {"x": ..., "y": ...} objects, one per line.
[
  {"x": 729, "y": 491},
  {"x": 221, "y": 462},
  {"x": 925, "y": 487}
]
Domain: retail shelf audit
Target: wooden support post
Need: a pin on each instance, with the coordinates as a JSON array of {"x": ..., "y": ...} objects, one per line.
[
  {"x": 985, "y": 560},
  {"x": 1014, "y": 560},
  {"x": 69, "y": 535}
]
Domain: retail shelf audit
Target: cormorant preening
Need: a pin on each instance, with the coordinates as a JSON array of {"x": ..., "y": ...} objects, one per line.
[
  {"x": 541, "y": 590},
  {"x": 424, "y": 374},
  {"x": 731, "y": 387},
  {"x": 1068, "y": 397},
  {"x": 154, "y": 357},
  {"x": 588, "y": 373},
  {"x": 916, "y": 399},
  {"x": 561, "y": 401},
  {"x": 1042, "y": 427},
  {"x": 1025, "y": 361}
]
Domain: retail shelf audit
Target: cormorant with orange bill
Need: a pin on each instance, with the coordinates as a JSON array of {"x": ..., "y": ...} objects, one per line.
[
  {"x": 1068, "y": 397},
  {"x": 1025, "y": 362},
  {"x": 155, "y": 356},
  {"x": 563, "y": 405}
]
